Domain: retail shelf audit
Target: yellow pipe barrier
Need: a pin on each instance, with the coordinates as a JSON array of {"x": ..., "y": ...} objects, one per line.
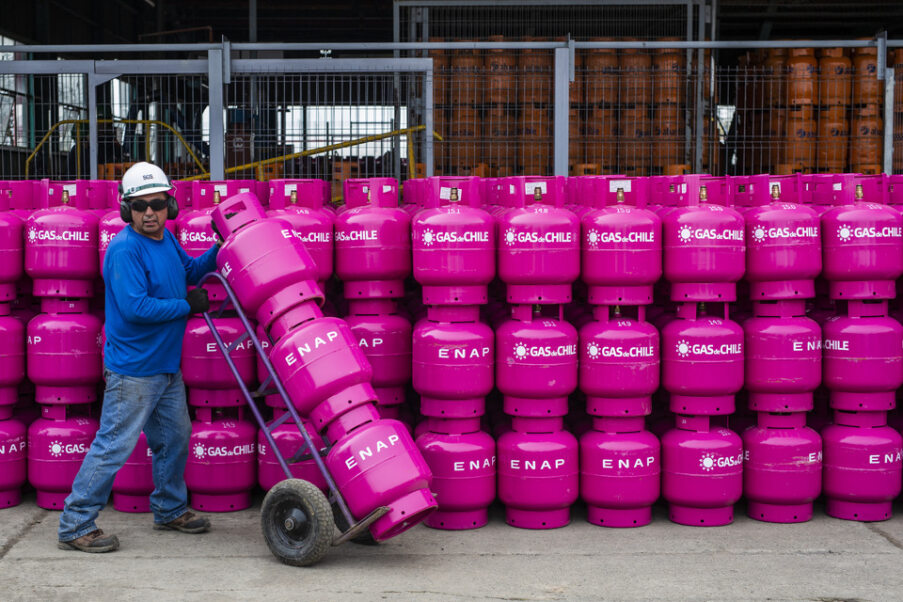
[{"x": 78, "y": 123}]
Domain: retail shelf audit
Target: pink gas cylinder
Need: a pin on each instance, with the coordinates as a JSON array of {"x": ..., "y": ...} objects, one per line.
[
  {"x": 619, "y": 363},
  {"x": 462, "y": 460},
  {"x": 863, "y": 366},
  {"x": 385, "y": 338},
  {"x": 63, "y": 352},
  {"x": 194, "y": 228},
  {"x": 783, "y": 255},
  {"x": 620, "y": 472},
  {"x": 704, "y": 247},
  {"x": 12, "y": 250},
  {"x": 289, "y": 441},
  {"x": 264, "y": 262},
  {"x": 301, "y": 203},
  {"x": 12, "y": 360},
  {"x": 13, "y": 442},
  {"x": 412, "y": 195},
  {"x": 621, "y": 245},
  {"x": 536, "y": 361},
  {"x": 182, "y": 190},
  {"x": 222, "y": 460},
  {"x": 895, "y": 191},
  {"x": 109, "y": 226},
  {"x": 702, "y": 360},
  {"x": 783, "y": 357},
  {"x": 539, "y": 247},
  {"x": 863, "y": 466},
  {"x": 782, "y": 468},
  {"x": 453, "y": 362},
  {"x": 61, "y": 249},
  {"x": 702, "y": 468},
  {"x": 204, "y": 369},
  {"x": 818, "y": 192},
  {"x": 372, "y": 240},
  {"x": 453, "y": 243},
  {"x": 135, "y": 480},
  {"x": 539, "y": 473},
  {"x": 378, "y": 464},
  {"x": 22, "y": 197},
  {"x": 57, "y": 444},
  {"x": 862, "y": 244}
]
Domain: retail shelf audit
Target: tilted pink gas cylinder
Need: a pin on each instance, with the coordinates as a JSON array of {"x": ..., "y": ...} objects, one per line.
[
  {"x": 12, "y": 360},
  {"x": 619, "y": 363},
  {"x": 454, "y": 243},
  {"x": 862, "y": 244},
  {"x": 453, "y": 362},
  {"x": 782, "y": 468},
  {"x": 222, "y": 460},
  {"x": 135, "y": 480},
  {"x": 463, "y": 462},
  {"x": 620, "y": 471},
  {"x": 702, "y": 466},
  {"x": 863, "y": 366},
  {"x": 57, "y": 444},
  {"x": 13, "y": 460},
  {"x": 863, "y": 466},
  {"x": 621, "y": 244},
  {"x": 704, "y": 247},
  {"x": 702, "y": 360},
  {"x": 378, "y": 464},
  {"x": 385, "y": 338},
  {"x": 61, "y": 249},
  {"x": 783, "y": 254},
  {"x": 63, "y": 352},
  {"x": 12, "y": 250},
  {"x": 289, "y": 440},
  {"x": 536, "y": 361},
  {"x": 301, "y": 203},
  {"x": 204, "y": 369},
  {"x": 372, "y": 240},
  {"x": 783, "y": 357},
  {"x": 539, "y": 473},
  {"x": 539, "y": 242}
]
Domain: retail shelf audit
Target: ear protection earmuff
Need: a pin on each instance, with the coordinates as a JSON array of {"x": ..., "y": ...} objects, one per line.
[{"x": 125, "y": 210}]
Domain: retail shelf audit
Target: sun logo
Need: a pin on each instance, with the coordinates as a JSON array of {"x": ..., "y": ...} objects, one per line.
[
  {"x": 844, "y": 233},
  {"x": 56, "y": 449},
  {"x": 99, "y": 340},
  {"x": 509, "y": 236},
  {"x": 32, "y": 234},
  {"x": 685, "y": 234},
  {"x": 593, "y": 351},
  {"x": 199, "y": 451},
  {"x": 682, "y": 348},
  {"x": 520, "y": 351},
  {"x": 428, "y": 238},
  {"x": 592, "y": 238},
  {"x": 758, "y": 234},
  {"x": 707, "y": 462},
  {"x": 105, "y": 238},
  {"x": 183, "y": 236}
]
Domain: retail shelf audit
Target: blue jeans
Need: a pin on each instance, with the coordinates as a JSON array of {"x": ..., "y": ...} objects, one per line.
[{"x": 155, "y": 404}]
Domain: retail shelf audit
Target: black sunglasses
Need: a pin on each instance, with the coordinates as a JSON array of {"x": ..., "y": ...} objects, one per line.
[{"x": 140, "y": 205}]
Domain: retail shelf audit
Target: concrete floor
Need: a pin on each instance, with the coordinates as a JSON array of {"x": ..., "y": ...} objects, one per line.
[{"x": 825, "y": 559}]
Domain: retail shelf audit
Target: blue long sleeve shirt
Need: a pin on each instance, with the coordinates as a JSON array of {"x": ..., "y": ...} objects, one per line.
[{"x": 145, "y": 283}]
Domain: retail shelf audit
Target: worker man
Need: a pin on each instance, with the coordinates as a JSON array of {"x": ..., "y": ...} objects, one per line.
[{"x": 146, "y": 274}]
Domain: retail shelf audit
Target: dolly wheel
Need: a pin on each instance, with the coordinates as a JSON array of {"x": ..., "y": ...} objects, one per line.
[{"x": 297, "y": 522}]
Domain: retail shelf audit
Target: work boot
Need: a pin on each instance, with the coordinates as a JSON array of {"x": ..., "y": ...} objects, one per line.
[
  {"x": 187, "y": 523},
  {"x": 94, "y": 542}
]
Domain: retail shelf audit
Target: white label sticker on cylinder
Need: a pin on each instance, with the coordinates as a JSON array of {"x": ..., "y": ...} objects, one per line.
[
  {"x": 838, "y": 186},
  {"x": 244, "y": 190},
  {"x": 683, "y": 188},
  {"x": 366, "y": 189},
  {"x": 445, "y": 194},
  {"x": 290, "y": 188},
  {"x": 69, "y": 189},
  {"x": 613, "y": 185},
  {"x": 220, "y": 188},
  {"x": 510, "y": 188},
  {"x": 387, "y": 188},
  {"x": 530, "y": 187},
  {"x": 773, "y": 184}
]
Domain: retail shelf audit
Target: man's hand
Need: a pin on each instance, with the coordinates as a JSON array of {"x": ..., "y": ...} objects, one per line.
[{"x": 198, "y": 300}]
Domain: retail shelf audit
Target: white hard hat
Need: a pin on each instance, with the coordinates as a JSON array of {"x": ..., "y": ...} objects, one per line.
[{"x": 142, "y": 179}]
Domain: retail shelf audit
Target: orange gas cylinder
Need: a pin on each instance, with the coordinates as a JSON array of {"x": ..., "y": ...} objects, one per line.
[
  {"x": 634, "y": 139},
  {"x": 668, "y": 136},
  {"x": 576, "y": 88},
  {"x": 501, "y": 66},
  {"x": 773, "y": 75},
  {"x": 462, "y": 140},
  {"x": 636, "y": 77},
  {"x": 774, "y": 135},
  {"x": 866, "y": 87},
  {"x": 536, "y": 72},
  {"x": 440, "y": 125},
  {"x": 599, "y": 131},
  {"x": 866, "y": 139},
  {"x": 601, "y": 76},
  {"x": 835, "y": 78},
  {"x": 799, "y": 139},
  {"x": 669, "y": 67},
  {"x": 898, "y": 89},
  {"x": 802, "y": 77},
  {"x": 465, "y": 86},
  {"x": 441, "y": 74},
  {"x": 833, "y": 140}
]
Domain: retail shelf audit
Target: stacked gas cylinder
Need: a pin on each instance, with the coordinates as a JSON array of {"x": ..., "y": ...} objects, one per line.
[{"x": 373, "y": 461}]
